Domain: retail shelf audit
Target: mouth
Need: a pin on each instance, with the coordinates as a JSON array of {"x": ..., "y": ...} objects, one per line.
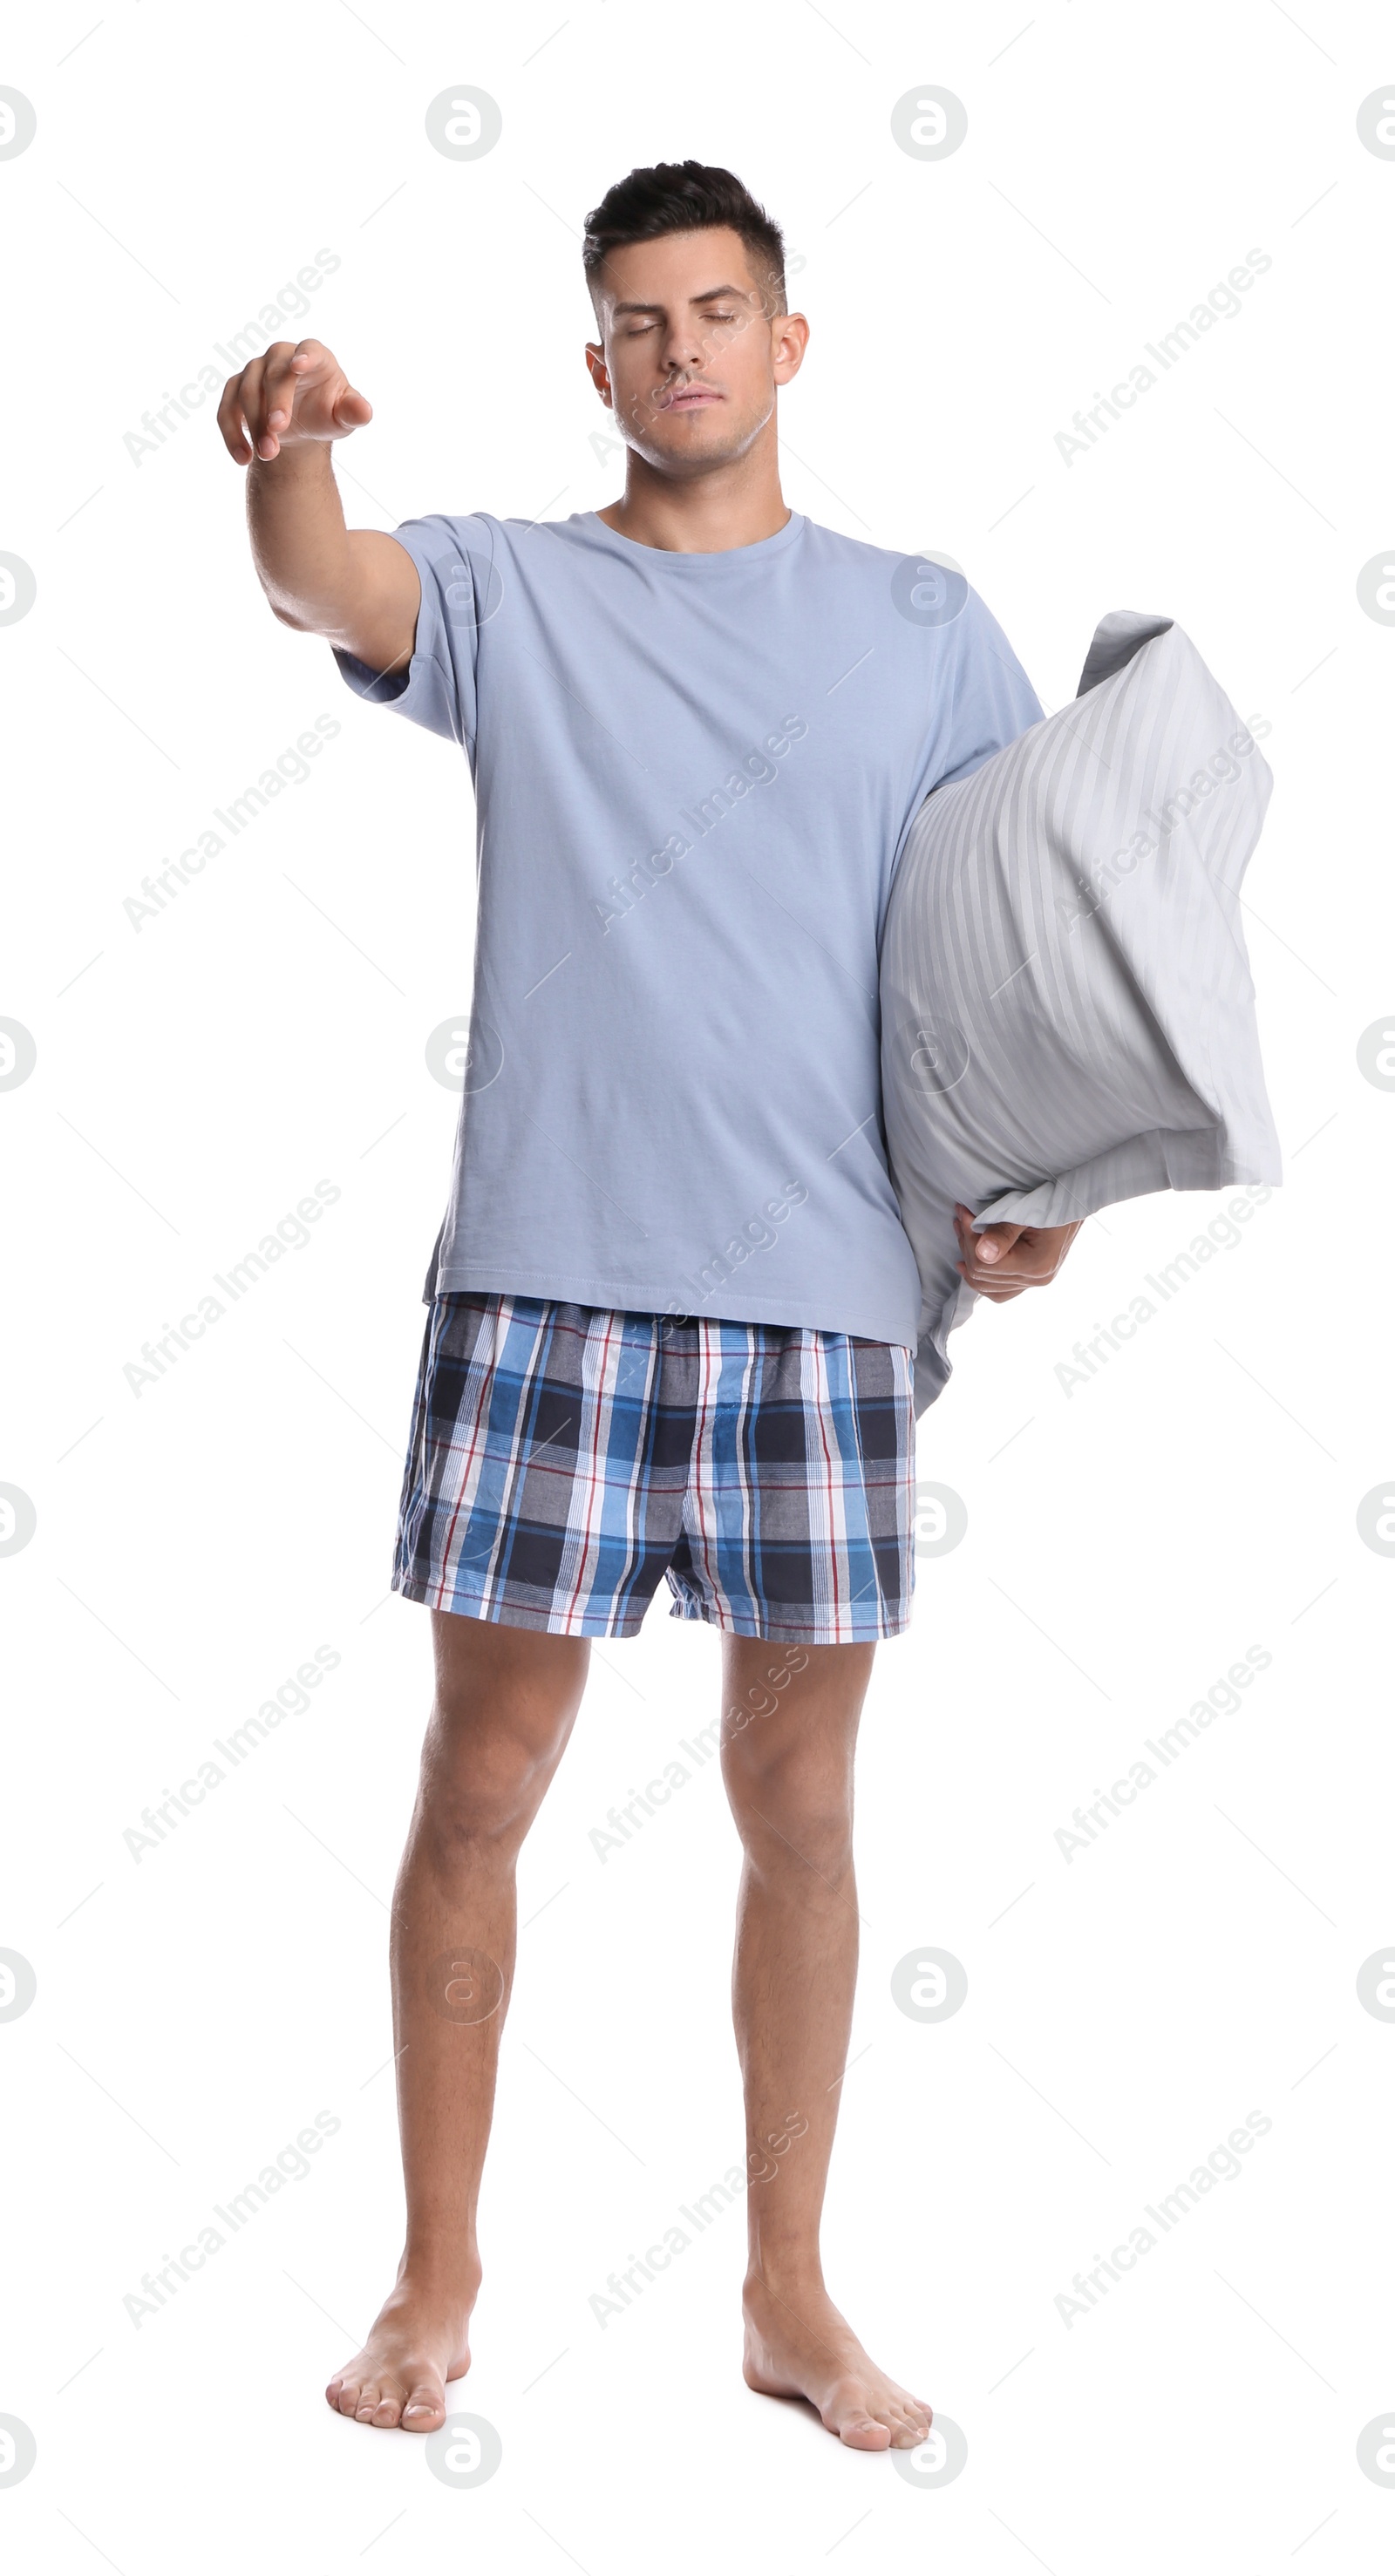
[{"x": 691, "y": 398}]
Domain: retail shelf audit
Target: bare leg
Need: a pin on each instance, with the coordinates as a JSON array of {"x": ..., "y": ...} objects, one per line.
[
  {"x": 788, "y": 1737},
  {"x": 505, "y": 1703}
]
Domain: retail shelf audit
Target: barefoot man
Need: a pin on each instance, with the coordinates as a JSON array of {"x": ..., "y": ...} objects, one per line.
[{"x": 672, "y": 1309}]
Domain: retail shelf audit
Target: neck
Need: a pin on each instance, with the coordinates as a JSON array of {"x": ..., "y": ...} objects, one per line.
[{"x": 734, "y": 504}]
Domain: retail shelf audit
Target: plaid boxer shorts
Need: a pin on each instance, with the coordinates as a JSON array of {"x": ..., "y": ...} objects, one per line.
[{"x": 563, "y": 1457}]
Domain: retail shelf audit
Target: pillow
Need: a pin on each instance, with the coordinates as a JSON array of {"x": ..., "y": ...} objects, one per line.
[{"x": 1067, "y": 1012}]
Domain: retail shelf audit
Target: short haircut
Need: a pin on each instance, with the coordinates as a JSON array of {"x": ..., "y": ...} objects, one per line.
[{"x": 685, "y": 197}]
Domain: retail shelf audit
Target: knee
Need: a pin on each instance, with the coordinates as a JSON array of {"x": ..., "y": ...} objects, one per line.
[
  {"x": 794, "y": 1814},
  {"x": 481, "y": 1784}
]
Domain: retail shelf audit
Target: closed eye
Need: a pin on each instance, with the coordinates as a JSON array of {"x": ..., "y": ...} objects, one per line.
[{"x": 636, "y": 330}]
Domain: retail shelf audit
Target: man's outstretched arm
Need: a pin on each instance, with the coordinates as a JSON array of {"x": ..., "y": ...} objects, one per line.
[{"x": 356, "y": 588}]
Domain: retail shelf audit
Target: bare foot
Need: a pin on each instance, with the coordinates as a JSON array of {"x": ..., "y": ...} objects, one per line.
[
  {"x": 797, "y": 2345},
  {"x": 419, "y": 2340}
]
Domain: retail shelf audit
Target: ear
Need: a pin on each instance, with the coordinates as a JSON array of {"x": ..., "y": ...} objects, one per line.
[
  {"x": 789, "y": 338},
  {"x": 599, "y": 372}
]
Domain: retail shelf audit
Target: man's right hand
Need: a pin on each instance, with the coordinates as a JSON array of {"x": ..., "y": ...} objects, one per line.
[
  {"x": 296, "y": 394},
  {"x": 356, "y": 587}
]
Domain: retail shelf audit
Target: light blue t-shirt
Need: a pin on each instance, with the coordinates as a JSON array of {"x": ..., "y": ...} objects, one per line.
[{"x": 693, "y": 777}]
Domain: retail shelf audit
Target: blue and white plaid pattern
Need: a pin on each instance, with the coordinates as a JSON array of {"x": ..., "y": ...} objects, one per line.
[{"x": 563, "y": 1457}]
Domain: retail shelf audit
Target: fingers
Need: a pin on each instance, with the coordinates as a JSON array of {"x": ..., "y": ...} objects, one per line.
[
  {"x": 991, "y": 1242},
  {"x": 293, "y": 392},
  {"x": 351, "y": 410},
  {"x": 274, "y": 399},
  {"x": 985, "y": 1283},
  {"x": 243, "y": 409},
  {"x": 232, "y": 415},
  {"x": 1004, "y": 1259},
  {"x": 985, "y": 1249},
  {"x": 283, "y": 372},
  {"x": 295, "y": 374}
]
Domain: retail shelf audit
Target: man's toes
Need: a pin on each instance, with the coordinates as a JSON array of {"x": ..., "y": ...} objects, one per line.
[
  {"x": 346, "y": 2395},
  {"x": 368, "y": 2396},
  {"x": 864, "y": 2433},
  {"x": 424, "y": 2409},
  {"x": 388, "y": 2410}
]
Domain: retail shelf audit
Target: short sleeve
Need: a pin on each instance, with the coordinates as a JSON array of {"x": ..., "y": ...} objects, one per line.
[
  {"x": 994, "y": 701},
  {"x": 460, "y": 589}
]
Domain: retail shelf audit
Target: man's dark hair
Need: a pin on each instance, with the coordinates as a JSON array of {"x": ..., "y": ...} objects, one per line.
[{"x": 685, "y": 197}]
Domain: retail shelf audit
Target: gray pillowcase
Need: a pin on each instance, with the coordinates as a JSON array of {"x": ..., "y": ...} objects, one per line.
[{"x": 1067, "y": 1011}]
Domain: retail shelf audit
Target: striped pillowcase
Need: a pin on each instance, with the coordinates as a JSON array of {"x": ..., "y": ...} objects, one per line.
[{"x": 1067, "y": 1011}]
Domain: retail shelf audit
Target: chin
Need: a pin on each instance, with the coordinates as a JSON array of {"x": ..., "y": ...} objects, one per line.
[{"x": 697, "y": 438}]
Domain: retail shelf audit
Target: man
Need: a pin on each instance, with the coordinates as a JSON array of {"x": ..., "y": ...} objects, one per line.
[{"x": 672, "y": 1307}]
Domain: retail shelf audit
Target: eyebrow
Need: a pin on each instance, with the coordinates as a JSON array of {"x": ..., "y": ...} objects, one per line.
[{"x": 708, "y": 296}]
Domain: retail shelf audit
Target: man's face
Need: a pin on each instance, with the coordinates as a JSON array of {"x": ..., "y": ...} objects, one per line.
[{"x": 689, "y": 358}]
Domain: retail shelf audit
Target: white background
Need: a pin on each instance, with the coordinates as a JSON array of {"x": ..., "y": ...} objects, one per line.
[{"x": 1126, "y": 1542}]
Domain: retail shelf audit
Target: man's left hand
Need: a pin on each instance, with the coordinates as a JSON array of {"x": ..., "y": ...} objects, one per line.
[{"x": 1004, "y": 1259}]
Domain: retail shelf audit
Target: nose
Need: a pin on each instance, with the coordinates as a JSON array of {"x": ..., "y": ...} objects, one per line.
[{"x": 683, "y": 348}]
